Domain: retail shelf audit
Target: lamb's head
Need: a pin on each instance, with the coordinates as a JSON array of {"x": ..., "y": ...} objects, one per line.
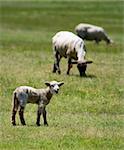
[
  {"x": 54, "y": 86},
  {"x": 82, "y": 66}
]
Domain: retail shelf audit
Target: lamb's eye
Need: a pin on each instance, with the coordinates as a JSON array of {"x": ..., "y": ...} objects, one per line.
[{"x": 52, "y": 85}]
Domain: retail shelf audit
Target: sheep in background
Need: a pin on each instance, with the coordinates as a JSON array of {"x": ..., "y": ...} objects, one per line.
[
  {"x": 25, "y": 94},
  {"x": 92, "y": 32},
  {"x": 68, "y": 45}
]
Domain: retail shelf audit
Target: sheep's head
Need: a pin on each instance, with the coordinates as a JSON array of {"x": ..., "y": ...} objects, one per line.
[
  {"x": 109, "y": 41},
  {"x": 54, "y": 86},
  {"x": 82, "y": 66}
]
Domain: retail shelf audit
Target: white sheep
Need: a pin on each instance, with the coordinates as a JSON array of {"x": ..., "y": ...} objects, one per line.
[
  {"x": 25, "y": 94},
  {"x": 67, "y": 44},
  {"x": 92, "y": 32}
]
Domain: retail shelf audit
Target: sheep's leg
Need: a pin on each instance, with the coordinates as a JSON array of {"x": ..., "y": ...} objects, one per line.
[
  {"x": 39, "y": 112},
  {"x": 56, "y": 63},
  {"x": 44, "y": 117},
  {"x": 97, "y": 41},
  {"x": 14, "y": 116},
  {"x": 21, "y": 115},
  {"x": 14, "y": 110},
  {"x": 69, "y": 65},
  {"x": 38, "y": 117},
  {"x": 59, "y": 58},
  {"x": 54, "y": 68}
]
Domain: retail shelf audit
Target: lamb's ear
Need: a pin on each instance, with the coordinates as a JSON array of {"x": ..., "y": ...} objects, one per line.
[
  {"x": 47, "y": 83},
  {"x": 74, "y": 62},
  {"x": 61, "y": 83}
]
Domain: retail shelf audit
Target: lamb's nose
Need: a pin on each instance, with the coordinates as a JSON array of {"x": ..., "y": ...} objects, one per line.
[{"x": 57, "y": 90}]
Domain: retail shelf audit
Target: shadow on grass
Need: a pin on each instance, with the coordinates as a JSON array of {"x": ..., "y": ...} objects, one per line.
[
  {"x": 86, "y": 76},
  {"x": 28, "y": 125}
]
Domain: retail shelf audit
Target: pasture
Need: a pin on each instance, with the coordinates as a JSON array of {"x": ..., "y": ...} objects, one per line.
[{"x": 88, "y": 113}]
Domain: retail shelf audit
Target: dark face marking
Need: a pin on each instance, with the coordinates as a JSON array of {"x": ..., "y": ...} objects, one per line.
[{"x": 82, "y": 68}]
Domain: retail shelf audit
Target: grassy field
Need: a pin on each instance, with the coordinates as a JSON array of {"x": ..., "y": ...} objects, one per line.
[{"x": 88, "y": 113}]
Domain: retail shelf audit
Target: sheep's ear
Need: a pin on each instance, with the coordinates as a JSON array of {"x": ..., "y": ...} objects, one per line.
[
  {"x": 61, "y": 83},
  {"x": 47, "y": 83},
  {"x": 74, "y": 62},
  {"x": 89, "y": 62}
]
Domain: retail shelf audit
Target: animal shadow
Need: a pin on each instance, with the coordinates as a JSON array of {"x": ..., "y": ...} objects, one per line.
[{"x": 86, "y": 76}]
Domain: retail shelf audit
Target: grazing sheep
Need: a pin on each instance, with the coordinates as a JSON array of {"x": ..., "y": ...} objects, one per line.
[
  {"x": 25, "y": 94},
  {"x": 68, "y": 45},
  {"x": 92, "y": 32}
]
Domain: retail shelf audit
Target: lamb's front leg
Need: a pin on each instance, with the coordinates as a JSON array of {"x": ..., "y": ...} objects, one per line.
[
  {"x": 39, "y": 112},
  {"x": 44, "y": 117}
]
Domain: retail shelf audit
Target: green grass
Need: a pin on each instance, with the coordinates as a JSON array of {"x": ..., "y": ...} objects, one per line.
[{"x": 88, "y": 113}]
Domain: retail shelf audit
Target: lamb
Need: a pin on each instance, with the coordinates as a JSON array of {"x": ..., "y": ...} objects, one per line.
[
  {"x": 67, "y": 44},
  {"x": 92, "y": 32},
  {"x": 25, "y": 94}
]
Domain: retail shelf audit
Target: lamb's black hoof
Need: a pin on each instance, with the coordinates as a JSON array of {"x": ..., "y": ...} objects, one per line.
[
  {"x": 46, "y": 124},
  {"x": 59, "y": 72},
  {"x": 14, "y": 124},
  {"x": 38, "y": 124},
  {"x": 54, "y": 71},
  {"x": 24, "y": 124}
]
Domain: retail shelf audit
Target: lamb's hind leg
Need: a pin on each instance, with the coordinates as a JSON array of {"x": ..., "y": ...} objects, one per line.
[
  {"x": 21, "y": 115},
  {"x": 14, "y": 109}
]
